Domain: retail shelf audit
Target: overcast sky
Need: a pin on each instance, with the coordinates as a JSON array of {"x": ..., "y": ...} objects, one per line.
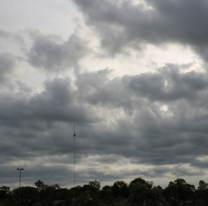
[{"x": 130, "y": 74}]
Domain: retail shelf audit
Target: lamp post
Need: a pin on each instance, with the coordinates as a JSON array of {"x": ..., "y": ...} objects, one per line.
[{"x": 20, "y": 169}]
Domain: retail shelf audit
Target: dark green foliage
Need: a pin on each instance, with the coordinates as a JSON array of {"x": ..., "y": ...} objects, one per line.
[
  {"x": 40, "y": 185},
  {"x": 120, "y": 189},
  {"x": 180, "y": 192},
  {"x": 202, "y": 193},
  {"x": 29, "y": 195},
  {"x": 6, "y": 197},
  {"x": 139, "y": 192},
  {"x": 94, "y": 185},
  {"x": 4, "y": 192}
]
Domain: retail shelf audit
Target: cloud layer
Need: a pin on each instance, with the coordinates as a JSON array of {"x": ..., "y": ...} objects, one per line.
[{"x": 150, "y": 123}]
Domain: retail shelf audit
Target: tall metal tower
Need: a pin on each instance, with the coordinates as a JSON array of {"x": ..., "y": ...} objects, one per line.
[{"x": 74, "y": 160}]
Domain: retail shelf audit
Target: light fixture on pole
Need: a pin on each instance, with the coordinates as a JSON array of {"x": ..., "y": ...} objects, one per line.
[{"x": 20, "y": 169}]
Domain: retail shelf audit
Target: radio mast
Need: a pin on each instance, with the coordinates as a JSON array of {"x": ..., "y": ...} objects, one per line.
[{"x": 74, "y": 155}]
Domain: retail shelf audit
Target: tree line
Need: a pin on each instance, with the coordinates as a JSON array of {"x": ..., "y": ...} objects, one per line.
[{"x": 138, "y": 192}]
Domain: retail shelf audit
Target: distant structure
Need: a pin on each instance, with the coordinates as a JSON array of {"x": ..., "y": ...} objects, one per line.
[
  {"x": 74, "y": 160},
  {"x": 20, "y": 169}
]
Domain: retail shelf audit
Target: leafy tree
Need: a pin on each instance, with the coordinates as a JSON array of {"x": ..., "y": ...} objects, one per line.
[
  {"x": 47, "y": 194},
  {"x": 141, "y": 192},
  {"x": 180, "y": 192},
  {"x": 120, "y": 189},
  {"x": 202, "y": 193},
  {"x": 62, "y": 193},
  {"x": 138, "y": 192},
  {"x": 106, "y": 195},
  {"x": 28, "y": 195},
  {"x": 5, "y": 196},
  {"x": 106, "y": 191},
  {"x": 158, "y": 195},
  {"x": 40, "y": 185},
  {"x": 95, "y": 185},
  {"x": 5, "y": 192},
  {"x": 202, "y": 185},
  {"x": 138, "y": 181}
]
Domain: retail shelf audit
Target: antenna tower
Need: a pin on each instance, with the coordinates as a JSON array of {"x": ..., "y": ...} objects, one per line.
[{"x": 74, "y": 160}]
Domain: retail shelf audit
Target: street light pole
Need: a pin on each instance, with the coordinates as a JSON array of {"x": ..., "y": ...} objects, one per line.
[{"x": 20, "y": 169}]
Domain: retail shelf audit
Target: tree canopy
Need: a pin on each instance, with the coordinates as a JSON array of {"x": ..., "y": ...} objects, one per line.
[{"x": 138, "y": 192}]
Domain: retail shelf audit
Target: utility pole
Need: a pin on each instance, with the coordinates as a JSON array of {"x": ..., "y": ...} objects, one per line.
[{"x": 20, "y": 169}]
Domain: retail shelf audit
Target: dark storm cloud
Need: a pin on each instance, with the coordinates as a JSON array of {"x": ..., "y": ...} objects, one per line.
[
  {"x": 50, "y": 54},
  {"x": 169, "y": 84},
  {"x": 7, "y": 66},
  {"x": 125, "y": 24},
  {"x": 202, "y": 164},
  {"x": 148, "y": 131},
  {"x": 58, "y": 102},
  {"x": 166, "y": 85},
  {"x": 97, "y": 89},
  {"x": 155, "y": 119},
  {"x": 25, "y": 120}
]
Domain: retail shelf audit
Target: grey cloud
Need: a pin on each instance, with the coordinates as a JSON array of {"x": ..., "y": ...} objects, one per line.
[
  {"x": 200, "y": 164},
  {"x": 97, "y": 89},
  {"x": 176, "y": 134},
  {"x": 154, "y": 119},
  {"x": 127, "y": 25},
  {"x": 7, "y": 66},
  {"x": 88, "y": 81},
  {"x": 26, "y": 119},
  {"x": 58, "y": 102},
  {"x": 10, "y": 36},
  {"x": 41, "y": 125},
  {"x": 161, "y": 171},
  {"x": 49, "y": 54},
  {"x": 169, "y": 84}
]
